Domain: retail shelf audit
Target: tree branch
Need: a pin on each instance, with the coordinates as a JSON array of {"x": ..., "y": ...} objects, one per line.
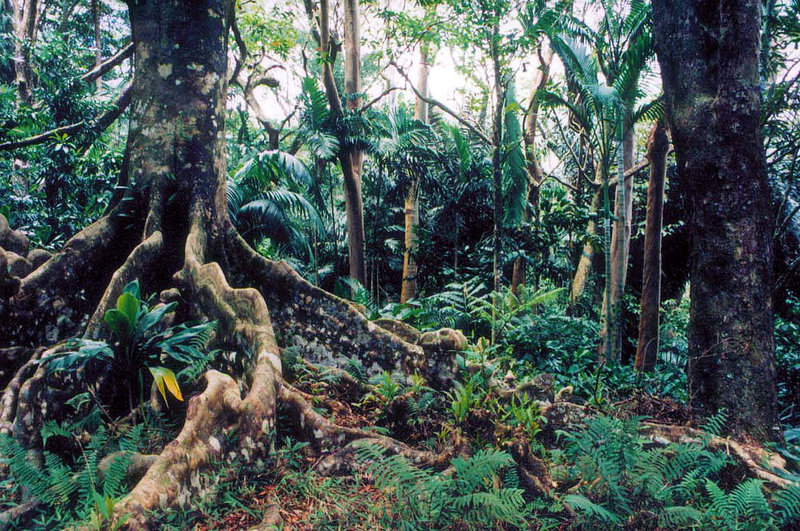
[
  {"x": 116, "y": 59},
  {"x": 237, "y": 36},
  {"x": 100, "y": 124},
  {"x": 430, "y": 101},
  {"x": 379, "y": 97}
]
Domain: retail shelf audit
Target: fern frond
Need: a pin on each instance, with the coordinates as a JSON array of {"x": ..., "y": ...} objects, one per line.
[
  {"x": 787, "y": 505},
  {"x": 586, "y": 506}
]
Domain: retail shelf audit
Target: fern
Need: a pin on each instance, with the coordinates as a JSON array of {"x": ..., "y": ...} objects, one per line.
[
  {"x": 787, "y": 504},
  {"x": 590, "y": 509},
  {"x": 746, "y": 503},
  {"x": 715, "y": 425},
  {"x": 679, "y": 516},
  {"x": 469, "y": 497},
  {"x": 72, "y": 492}
]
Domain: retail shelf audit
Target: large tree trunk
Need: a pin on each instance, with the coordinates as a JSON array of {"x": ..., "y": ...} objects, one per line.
[
  {"x": 535, "y": 173},
  {"x": 411, "y": 208},
  {"x": 708, "y": 52},
  {"x": 647, "y": 349},
  {"x": 612, "y": 330}
]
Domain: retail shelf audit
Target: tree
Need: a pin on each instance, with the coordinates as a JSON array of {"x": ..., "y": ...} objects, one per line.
[
  {"x": 411, "y": 207},
  {"x": 25, "y": 20},
  {"x": 172, "y": 231},
  {"x": 351, "y": 156},
  {"x": 709, "y": 56},
  {"x": 647, "y": 346},
  {"x": 534, "y": 168},
  {"x": 624, "y": 46}
]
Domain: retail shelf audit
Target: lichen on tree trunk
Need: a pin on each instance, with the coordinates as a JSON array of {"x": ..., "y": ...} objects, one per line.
[{"x": 709, "y": 56}]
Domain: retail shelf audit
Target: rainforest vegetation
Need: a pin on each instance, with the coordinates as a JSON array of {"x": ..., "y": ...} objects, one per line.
[{"x": 400, "y": 264}]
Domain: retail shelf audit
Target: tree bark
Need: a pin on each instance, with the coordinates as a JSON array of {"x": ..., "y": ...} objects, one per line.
[
  {"x": 354, "y": 204},
  {"x": 25, "y": 19},
  {"x": 411, "y": 206},
  {"x": 350, "y": 158},
  {"x": 98, "y": 48},
  {"x": 647, "y": 345},
  {"x": 497, "y": 168},
  {"x": 709, "y": 56},
  {"x": 587, "y": 253},
  {"x": 611, "y": 332}
]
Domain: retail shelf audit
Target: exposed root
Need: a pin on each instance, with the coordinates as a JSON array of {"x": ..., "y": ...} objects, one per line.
[
  {"x": 532, "y": 471},
  {"x": 90, "y": 246},
  {"x": 272, "y": 519},
  {"x": 11, "y": 359},
  {"x": 138, "y": 464},
  {"x": 219, "y": 411},
  {"x": 18, "y": 514},
  {"x": 8, "y": 406},
  {"x": 760, "y": 462},
  {"x": 323, "y": 328},
  {"x": 140, "y": 258},
  {"x": 9, "y": 284},
  {"x": 45, "y": 305},
  {"x": 176, "y": 473},
  {"x": 324, "y": 434}
]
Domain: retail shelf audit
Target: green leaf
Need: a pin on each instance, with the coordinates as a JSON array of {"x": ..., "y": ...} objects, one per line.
[
  {"x": 132, "y": 288},
  {"x": 166, "y": 381},
  {"x": 118, "y": 323},
  {"x": 153, "y": 317},
  {"x": 129, "y": 306}
]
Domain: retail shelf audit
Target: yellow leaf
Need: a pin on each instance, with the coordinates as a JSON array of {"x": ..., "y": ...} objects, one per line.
[
  {"x": 172, "y": 385},
  {"x": 165, "y": 377}
]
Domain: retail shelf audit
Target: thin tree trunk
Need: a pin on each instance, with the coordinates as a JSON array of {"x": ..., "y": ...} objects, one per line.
[
  {"x": 497, "y": 169},
  {"x": 24, "y": 15},
  {"x": 411, "y": 207},
  {"x": 709, "y": 56},
  {"x": 587, "y": 254},
  {"x": 350, "y": 159},
  {"x": 535, "y": 173},
  {"x": 611, "y": 332},
  {"x": 98, "y": 50},
  {"x": 647, "y": 345},
  {"x": 354, "y": 204}
]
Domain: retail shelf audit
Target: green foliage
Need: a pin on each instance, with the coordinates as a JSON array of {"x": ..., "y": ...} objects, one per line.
[
  {"x": 70, "y": 492},
  {"x": 463, "y": 399},
  {"x": 679, "y": 484},
  {"x": 267, "y": 199},
  {"x": 515, "y": 174},
  {"x": 469, "y": 497},
  {"x": 142, "y": 339}
]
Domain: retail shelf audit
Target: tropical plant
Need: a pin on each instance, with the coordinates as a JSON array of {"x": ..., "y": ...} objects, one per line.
[
  {"x": 266, "y": 199},
  {"x": 482, "y": 491},
  {"x": 141, "y": 341}
]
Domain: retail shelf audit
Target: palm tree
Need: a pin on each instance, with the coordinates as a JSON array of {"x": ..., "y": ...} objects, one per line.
[
  {"x": 606, "y": 110},
  {"x": 266, "y": 199},
  {"x": 403, "y": 154}
]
